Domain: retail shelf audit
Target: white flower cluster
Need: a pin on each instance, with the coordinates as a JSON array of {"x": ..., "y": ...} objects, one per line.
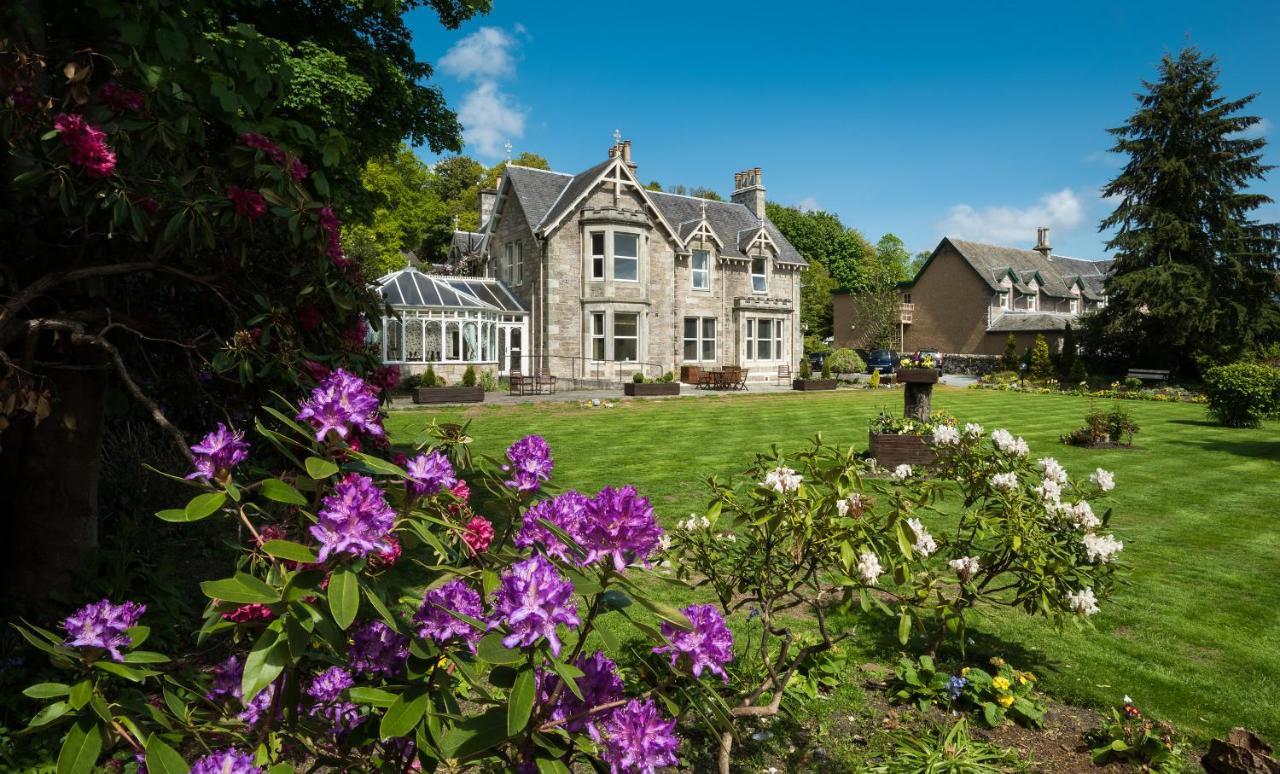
[
  {"x": 925, "y": 543},
  {"x": 973, "y": 429},
  {"x": 1006, "y": 482},
  {"x": 1101, "y": 548},
  {"x": 869, "y": 568},
  {"x": 1053, "y": 471},
  {"x": 945, "y": 435},
  {"x": 1080, "y": 514},
  {"x": 1083, "y": 602},
  {"x": 782, "y": 479},
  {"x": 1105, "y": 479},
  {"x": 694, "y": 523},
  {"x": 1006, "y": 443},
  {"x": 901, "y": 473},
  {"x": 1050, "y": 491},
  {"x": 966, "y": 567},
  {"x": 851, "y": 503}
]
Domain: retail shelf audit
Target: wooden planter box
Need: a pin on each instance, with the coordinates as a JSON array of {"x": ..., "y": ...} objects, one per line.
[
  {"x": 892, "y": 450},
  {"x": 650, "y": 390},
  {"x": 814, "y": 384},
  {"x": 689, "y": 374},
  {"x": 916, "y": 375},
  {"x": 448, "y": 395}
]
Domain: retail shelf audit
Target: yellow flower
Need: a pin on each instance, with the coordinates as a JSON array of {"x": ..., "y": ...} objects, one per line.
[
  {"x": 964, "y": 672},
  {"x": 997, "y": 662},
  {"x": 1004, "y": 701},
  {"x": 1022, "y": 679},
  {"x": 1000, "y": 684}
]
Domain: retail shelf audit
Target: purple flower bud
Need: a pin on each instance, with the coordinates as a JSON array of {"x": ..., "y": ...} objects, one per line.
[
  {"x": 219, "y": 452},
  {"x": 102, "y": 625},
  {"x": 708, "y": 645},
  {"x": 354, "y": 519},
  {"x": 532, "y": 598},
  {"x": 377, "y": 649}
]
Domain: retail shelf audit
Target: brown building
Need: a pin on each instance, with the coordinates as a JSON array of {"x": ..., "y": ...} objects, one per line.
[{"x": 968, "y": 297}]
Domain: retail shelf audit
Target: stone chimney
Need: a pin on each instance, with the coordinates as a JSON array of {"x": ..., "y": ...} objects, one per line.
[
  {"x": 748, "y": 190},
  {"x": 626, "y": 155},
  {"x": 1042, "y": 241},
  {"x": 487, "y": 198}
]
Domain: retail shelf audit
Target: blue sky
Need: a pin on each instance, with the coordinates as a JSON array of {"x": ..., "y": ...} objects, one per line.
[{"x": 975, "y": 119}]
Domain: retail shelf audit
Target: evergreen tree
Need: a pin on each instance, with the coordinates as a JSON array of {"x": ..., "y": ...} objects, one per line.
[
  {"x": 1039, "y": 365},
  {"x": 1009, "y": 360},
  {"x": 1194, "y": 277},
  {"x": 1069, "y": 356}
]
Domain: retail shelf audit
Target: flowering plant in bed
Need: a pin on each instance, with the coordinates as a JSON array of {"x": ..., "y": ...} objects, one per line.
[
  {"x": 1128, "y": 736},
  {"x": 1003, "y": 692},
  {"x": 377, "y": 620}
]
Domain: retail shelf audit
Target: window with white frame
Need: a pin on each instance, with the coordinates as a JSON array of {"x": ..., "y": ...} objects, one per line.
[
  {"x": 626, "y": 256},
  {"x": 597, "y": 255},
  {"x": 1074, "y": 306},
  {"x": 759, "y": 282},
  {"x": 701, "y": 269},
  {"x": 519, "y": 263},
  {"x": 597, "y": 336},
  {"x": 699, "y": 339},
  {"x": 509, "y": 262},
  {"x": 626, "y": 336},
  {"x": 764, "y": 339}
]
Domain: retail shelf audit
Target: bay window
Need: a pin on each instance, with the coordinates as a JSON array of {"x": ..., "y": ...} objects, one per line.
[
  {"x": 764, "y": 339},
  {"x": 701, "y": 269},
  {"x": 699, "y": 339},
  {"x": 626, "y": 336},
  {"x": 626, "y": 256},
  {"x": 759, "y": 281}
]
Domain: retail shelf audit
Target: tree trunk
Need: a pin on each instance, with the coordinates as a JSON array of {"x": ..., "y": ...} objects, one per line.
[{"x": 49, "y": 499}]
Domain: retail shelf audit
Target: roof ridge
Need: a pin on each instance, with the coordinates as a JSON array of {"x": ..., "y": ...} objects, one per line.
[
  {"x": 698, "y": 198},
  {"x": 539, "y": 169}
]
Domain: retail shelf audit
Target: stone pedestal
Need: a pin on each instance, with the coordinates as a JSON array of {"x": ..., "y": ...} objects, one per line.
[{"x": 917, "y": 395}]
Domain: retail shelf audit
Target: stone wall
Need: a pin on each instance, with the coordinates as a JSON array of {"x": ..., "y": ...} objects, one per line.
[{"x": 969, "y": 365}]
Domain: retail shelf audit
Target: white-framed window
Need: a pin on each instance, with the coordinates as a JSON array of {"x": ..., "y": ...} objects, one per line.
[
  {"x": 1074, "y": 306},
  {"x": 764, "y": 339},
  {"x": 700, "y": 267},
  {"x": 759, "y": 280},
  {"x": 1003, "y": 300},
  {"x": 597, "y": 336},
  {"x": 626, "y": 257},
  {"x": 1030, "y": 302},
  {"x": 395, "y": 340},
  {"x": 626, "y": 336},
  {"x": 509, "y": 262},
  {"x": 519, "y": 263},
  {"x": 597, "y": 255},
  {"x": 699, "y": 339}
]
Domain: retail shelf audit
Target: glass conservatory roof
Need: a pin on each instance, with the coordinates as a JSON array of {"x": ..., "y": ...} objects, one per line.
[{"x": 411, "y": 288}]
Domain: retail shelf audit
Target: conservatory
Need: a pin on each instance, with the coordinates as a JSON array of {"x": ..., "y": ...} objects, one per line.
[{"x": 446, "y": 321}]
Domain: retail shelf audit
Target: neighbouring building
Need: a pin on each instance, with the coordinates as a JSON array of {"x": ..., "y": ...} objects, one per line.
[
  {"x": 968, "y": 297},
  {"x": 593, "y": 277}
]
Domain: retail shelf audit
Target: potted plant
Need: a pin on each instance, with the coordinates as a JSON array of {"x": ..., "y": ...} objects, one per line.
[
  {"x": 431, "y": 388},
  {"x": 917, "y": 369},
  {"x": 807, "y": 382},
  {"x": 895, "y": 441},
  {"x": 640, "y": 387}
]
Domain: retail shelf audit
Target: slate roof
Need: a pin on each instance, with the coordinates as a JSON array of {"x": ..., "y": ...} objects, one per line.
[
  {"x": 467, "y": 242},
  {"x": 410, "y": 287},
  {"x": 1031, "y": 321},
  {"x": 545, "y": 196},
  {"x": 1057, "y": 273}
]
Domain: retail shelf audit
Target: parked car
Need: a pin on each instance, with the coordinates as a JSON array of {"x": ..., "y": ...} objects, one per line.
[
  {"x": 933, "y": 353},
  {"x": 815, "y": 361},
  {"x": 883, "y": 360}
]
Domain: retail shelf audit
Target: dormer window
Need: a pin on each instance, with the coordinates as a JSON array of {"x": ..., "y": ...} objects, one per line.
[
  {"x": 1074, "y": 305},
  {"x": 759, "y": 280},
  {"x": 626, "y": 256},
  {"x": 700, "y": 266}
]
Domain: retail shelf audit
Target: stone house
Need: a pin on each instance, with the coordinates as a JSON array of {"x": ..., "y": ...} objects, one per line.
[
  {"x": 614, "y": 279},
  {"x": 968, "y": 297}
]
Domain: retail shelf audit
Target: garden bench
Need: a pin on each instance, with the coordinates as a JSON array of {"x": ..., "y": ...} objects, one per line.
[
  {"x": 1148, "y": 374},
  {"x": 543, "y": 380},
  {"x": 517, "y": 382},
  {"x": 784, "y": 374}
]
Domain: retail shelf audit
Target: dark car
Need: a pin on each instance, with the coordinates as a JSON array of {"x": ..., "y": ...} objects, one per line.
[
  {"x": 933, "y": 353},
  {"x": 815, "y": 361},
  {"x": 882, "y": 360}
]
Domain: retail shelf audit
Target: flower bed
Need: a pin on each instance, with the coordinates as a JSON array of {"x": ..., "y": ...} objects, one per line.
[
  {"x": 448, "y": 394},
  {"x": 814, "y": 384},
  {"x": 650, "y": 389},
  {"x": 1160, "y": 394}
]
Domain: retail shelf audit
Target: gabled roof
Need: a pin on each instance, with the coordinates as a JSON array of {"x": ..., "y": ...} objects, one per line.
[
  {"x": 467, "y": 243},
  {"x": 537, "y": 189},
  {"x": 1031, "y": 321},
  {"x": 411, "y": 288},
  {"x": 727, "y": 220},
  {"x": 579, "y": 185},
  {"x": 1053, "y": 274}
]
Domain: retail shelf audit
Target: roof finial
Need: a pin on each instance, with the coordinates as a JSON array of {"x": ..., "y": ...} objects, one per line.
[
  {"x": 704, "y": 209},
  {"x": 455, "y": 222},
  {"x": 617, "y": 137},
  {"x": 508, "y": 148}
]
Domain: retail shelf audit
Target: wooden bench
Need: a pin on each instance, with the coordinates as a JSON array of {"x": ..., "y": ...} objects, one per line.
[{"x": 1148, "y": 374}]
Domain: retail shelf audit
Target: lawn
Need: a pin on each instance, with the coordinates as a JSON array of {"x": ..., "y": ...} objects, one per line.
[{"x": 1194, "y": 639}]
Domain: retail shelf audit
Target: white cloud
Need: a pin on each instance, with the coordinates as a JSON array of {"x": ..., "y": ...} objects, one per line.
[
  {"x": 1014, "y": 225},
  {"x": 808, "y": 204},
  {"x": 485, "y": 55},
  {"x": 1257, "y": 131},
  {"x": 490, "y": 117}
]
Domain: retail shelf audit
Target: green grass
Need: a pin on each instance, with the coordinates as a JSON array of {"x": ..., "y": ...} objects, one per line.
[{"x": 1194, "y": 638}]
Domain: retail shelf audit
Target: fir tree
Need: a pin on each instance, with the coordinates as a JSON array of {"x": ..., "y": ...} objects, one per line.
[
  {"x": 1068, "y": 357},
  {"x": 1039, "y": 365},
  {"x": 1194, "y": 277},
  {"x": 1009, "y": 360}
]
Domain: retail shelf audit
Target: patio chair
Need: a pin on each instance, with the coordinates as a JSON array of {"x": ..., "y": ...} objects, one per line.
[
  {"x": 742, "y": 378},
  {"x": 543, "y": 379},
  {"x": 784, "y": 374},
  {"x": 516, "y": 382}
]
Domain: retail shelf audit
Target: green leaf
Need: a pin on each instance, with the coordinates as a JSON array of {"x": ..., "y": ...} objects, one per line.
[
  {"x": 281, "y": 768},
  {"x": 405, "y": 713},
  {"x": 551, "y": 766},
  {"x": 127, "y": 672},
  {"x": 145, "y": 657},
  {"x": 202, "y": 506},
  {"x": 319, "y": 468},
  {"x": 520, "y": 702},
  {"x": 80, "y": 694},
  {"x": 241, "y": 588},
  {"x": 287, "y": 549},
  {"x": 265, "y": 662},
  {"x": 904, "y": 627},
  {"x": 491, "y": 650},
  {"x": 379, "y": 465},
  {"x": 80, "y": 749},
  {"x": 666, "y": 612},
  {"x": 344, "y": 596},
  {"x": 163, "y": 759},
  {"x": 49, "y": 714},
  {"x": 475, "y": 734},
  {"x": 275, "y": 489},
  {"x": 374, "y": 697},
  {"x": 46, "y": 690}
]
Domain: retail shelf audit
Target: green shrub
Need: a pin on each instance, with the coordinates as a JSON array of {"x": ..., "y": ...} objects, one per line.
[
  {"x": 874, "y": 381},
  {"x": 668, "y": 377},
  {"x": 428, "y": 378},
  {"x": 1010, "y": 361},
  {"x": 1077, "y": 372},
  {"x": 948, "y": 751},
  {"x": 826, "y": 368},
  {"x": 1001, "y": 377},
  {"x": 1241, "y": 394},
  {"x": 469, "y": 377},
  {"x": 846, "y": 361},
  {"x": 1132, "y": 383},
  {"x": 806, "y": 371},
  {"x": 1039, "y": 364},
  {"x": 1003, "y": 693},
  {"x": 488, "y": 381},
  {"x": 637, "y": 377}
]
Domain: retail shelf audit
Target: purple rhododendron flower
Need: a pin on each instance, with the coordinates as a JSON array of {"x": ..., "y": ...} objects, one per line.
[
  {"x": 532, "y": 598},
  {"x": 429, "y": 473},
  {"x": 377, "y": 649},
  {"x": 567, "y": 511},
  {"x": 86, "y": 145},
  {"x": 434, "y": 620},
  {"x": 636, "y": 738},
  {"x": 228, "y": 761},
  {"x": 329, "y": 685},
  {"x": 709, "y": 645},
  {"x": 531, "y": 463},
  {"x": 599, "y": 685},
  {"x": 226, "y": 680},
  {"x": 103, "y": 625},
  {"x": 343, "y": 402},
  {"x": 219, "y": 452},
  {"x": 354, "y": 519},
  {"x": 326, "y": 691},
  {"x": 620, "y": 525},
  {"x": 258, "y": 706}
]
